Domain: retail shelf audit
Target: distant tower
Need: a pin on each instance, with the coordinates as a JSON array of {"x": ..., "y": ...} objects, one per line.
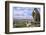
[{"x": 36, "y": 14}]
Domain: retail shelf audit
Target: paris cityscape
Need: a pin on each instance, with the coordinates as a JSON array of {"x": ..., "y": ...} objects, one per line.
[{"x": 26, "y": 17}]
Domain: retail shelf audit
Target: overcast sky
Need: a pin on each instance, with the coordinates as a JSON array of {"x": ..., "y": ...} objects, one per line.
[{"x": 22, "y": 11}]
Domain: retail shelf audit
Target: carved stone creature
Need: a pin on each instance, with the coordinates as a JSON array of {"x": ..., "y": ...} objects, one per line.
[{"x": 36, "y": 15}]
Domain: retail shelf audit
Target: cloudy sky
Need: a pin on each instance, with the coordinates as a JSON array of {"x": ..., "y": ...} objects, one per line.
[{"x": 22, "y": 11}]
